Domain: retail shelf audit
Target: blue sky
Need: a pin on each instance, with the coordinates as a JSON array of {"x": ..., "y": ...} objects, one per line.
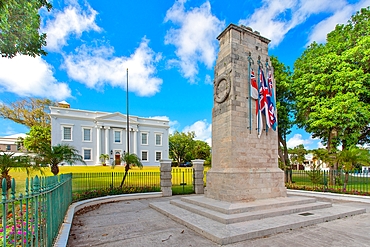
[{"x": 169, "y": 48}]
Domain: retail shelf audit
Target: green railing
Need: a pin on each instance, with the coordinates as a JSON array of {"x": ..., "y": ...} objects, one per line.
[
  {"x": 34, "y": 218},
  {"x": 333, "y": 181},
  {"x": 182, "y": 180},
  {"x": 106, "y": 180}
]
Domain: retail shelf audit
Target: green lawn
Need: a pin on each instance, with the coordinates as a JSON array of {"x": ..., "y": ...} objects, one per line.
[
  {"x": 181, "y": 175},
  {"x": 355, "y": 183},
  {"x": 20, "y": 176}
]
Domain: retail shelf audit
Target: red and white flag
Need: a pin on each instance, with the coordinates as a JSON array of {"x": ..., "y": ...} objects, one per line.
[{"x": 254, "y": 87}]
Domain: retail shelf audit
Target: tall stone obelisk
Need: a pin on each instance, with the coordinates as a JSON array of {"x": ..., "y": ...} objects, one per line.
[{"x": 244, "y": 166}]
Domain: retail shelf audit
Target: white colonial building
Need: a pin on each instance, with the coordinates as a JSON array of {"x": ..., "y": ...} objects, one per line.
[{"x": 94, "y": 133}]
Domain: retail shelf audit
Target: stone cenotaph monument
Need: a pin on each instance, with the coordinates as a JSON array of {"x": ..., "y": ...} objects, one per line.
[
  {"x": 244, "y": 166},
  {"x": 245, "y": 195}
]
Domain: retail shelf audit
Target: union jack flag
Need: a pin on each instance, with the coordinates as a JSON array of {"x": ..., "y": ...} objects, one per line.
[
  {"x": 266, "y": 105},
  {"x": 272, "y": 104}
]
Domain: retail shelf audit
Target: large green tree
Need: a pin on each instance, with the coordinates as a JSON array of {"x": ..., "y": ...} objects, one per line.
[
  {"x": 37, "y": 138},
  {"x": 19, "y": 27},
  {"x": 332, "y": 85},
  {"x": 180, "y": 144},
  {"x": 284, "y": 104},
  {"x": 201, "y": 150}
]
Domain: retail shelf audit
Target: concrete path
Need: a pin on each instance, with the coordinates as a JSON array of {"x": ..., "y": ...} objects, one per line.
[{"x": 134, "y": 223}]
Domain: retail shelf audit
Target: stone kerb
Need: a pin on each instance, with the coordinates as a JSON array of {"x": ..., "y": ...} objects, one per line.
[
  {"x": 166, "y": 176},
  {"x": 198, "y": 169}
]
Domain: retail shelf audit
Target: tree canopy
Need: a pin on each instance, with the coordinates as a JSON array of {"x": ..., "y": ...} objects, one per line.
[
  {"x": 284, "y": 104},
  {"x": 180, "y": 144},
  {"x": 37, "y": 138},
  {"x": 297, "y": 154},
  {"x": 29, "y": 111},
  {"x": 183, "y": 147},
  {"x": 19, "y": 28},
  {"x": 332, "y": 82}
]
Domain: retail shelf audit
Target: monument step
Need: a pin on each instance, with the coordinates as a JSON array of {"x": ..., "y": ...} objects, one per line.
[
  {"x": 241, "y": 207},
  {"x": 227, "y": 233},
  {"x": 252, "y": 215}
]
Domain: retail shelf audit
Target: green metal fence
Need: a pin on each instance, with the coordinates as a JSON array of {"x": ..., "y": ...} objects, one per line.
[
  {"x": 105, "y": 180},
  {"x": 182, "y": 180},
  {"x": 334, "y": 181},
  {"x": 34, "y": 218}
]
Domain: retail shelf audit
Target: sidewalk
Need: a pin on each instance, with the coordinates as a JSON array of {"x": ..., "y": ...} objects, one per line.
[{"x": 132, "y": 223}]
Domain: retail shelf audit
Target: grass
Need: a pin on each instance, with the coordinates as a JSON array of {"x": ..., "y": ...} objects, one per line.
[
  {"x": 361, "y": 183},
  {"x": 180, "y": 174},
  {"x": 20, "y": 176}
]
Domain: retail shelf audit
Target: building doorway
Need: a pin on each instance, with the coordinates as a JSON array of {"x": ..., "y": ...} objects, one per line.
[{"x": 117, "y": 158}]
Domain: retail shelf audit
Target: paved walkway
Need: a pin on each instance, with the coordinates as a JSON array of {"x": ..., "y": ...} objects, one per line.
[{"x": 134, "y": 223}]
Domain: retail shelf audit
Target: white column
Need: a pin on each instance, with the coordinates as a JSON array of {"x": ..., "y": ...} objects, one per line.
[
  {"x": 98, "y": 146},
  {"x": 107, "y": 144},
  {"x": 124, "y": 133},
  {"x": 127, "y": 140},
  {"x": 106, "y": 140},
  {"x": 135, "y": 141}
]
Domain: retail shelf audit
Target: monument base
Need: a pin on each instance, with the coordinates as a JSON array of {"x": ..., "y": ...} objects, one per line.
[
  {"x": 244, "y": 185},
  {"x": 226, "y": 223}
]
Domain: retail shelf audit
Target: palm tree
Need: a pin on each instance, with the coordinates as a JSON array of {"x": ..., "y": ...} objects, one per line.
[
  {"x": 9, "y": 161},
  {"x": 130, "y": 160},
  {"x": 103, "y": 158},
  {"x": 350, "y": 157},
  {"x": 61, "y": 153}
]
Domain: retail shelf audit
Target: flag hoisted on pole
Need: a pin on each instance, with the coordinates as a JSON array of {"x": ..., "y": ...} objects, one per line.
[
  {"x": 266, "y": 102},
  {"x": 250, "y": 62},
  {"x": 258, "y": 106},
  {"x": 272, "y": 105},
  {"x": 263, "y": 100},
  {"x": 254, "y": 86},
  {"x": 267, "y": 69}
]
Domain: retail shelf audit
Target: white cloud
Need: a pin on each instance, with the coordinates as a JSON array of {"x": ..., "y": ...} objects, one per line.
[
  {"x": 208, "y": 80},
  {"x": 298, "y": 140},
  {"x": 327, "y": 25},
  {"x": 173, "y": 124},
  {"x": 202, "y": 129},
  {"x": 26, "y": 76},
  {"x": 320, "y": 145},
  {"x": 195, "y": 38},
  {"x": 274, "y": 19},
  {"x": 96, "y": 67},
  {"x": 71, "y": 21}
]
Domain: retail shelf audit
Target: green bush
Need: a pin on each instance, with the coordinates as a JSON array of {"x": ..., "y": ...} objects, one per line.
[{"x": 89, "y": 194}]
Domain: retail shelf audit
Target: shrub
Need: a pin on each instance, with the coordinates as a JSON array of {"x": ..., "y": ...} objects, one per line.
[{"x": 89, "y": 194}]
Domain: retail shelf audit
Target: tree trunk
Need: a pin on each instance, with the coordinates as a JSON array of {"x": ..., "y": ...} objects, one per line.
[
  {"x": 127, "y": 167},
  {"x": 54, "y": 169},
  {"x": 283, "y": 153},
  {"x": 345, "y": 181},
  {"x": 8, "y": 179}
]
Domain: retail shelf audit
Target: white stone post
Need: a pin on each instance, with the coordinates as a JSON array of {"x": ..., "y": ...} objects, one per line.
[
  {"x": 198, "y": 182},
  {"x": 166, "y": 176}
]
